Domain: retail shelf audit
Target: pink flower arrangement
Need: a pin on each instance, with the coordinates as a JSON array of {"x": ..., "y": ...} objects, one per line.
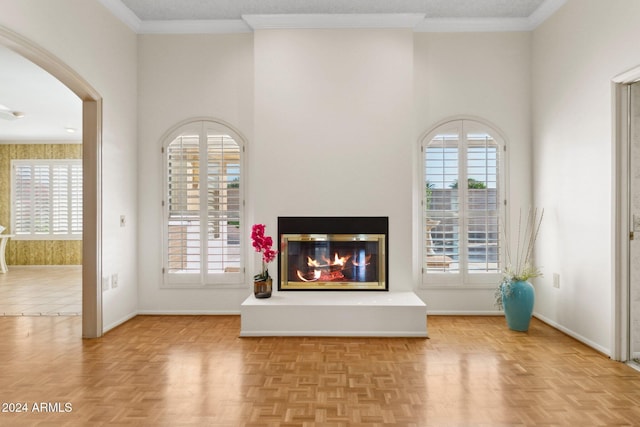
[{"x": 263, "y": 244}]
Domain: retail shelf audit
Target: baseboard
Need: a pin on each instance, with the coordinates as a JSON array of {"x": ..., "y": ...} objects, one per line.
[
  {"x": 333, "y": 333},
  {"x": 189, "y": 312},
  {"x": 464, "y": 313},
  {"x": 22, "y": 266},
  {"x": 117, "y": 323},
  {"x": 572, "y": 334}
]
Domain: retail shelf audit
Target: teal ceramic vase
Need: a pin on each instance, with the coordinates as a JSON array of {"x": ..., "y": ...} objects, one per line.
[{"x": 518, "y": 305}]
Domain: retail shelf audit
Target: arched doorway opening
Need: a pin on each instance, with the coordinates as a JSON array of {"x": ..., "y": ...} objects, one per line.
[{"x": 91, "y": 163}]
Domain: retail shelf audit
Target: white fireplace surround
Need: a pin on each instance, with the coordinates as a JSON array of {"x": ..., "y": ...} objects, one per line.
[{"x": 355, "y": 314}]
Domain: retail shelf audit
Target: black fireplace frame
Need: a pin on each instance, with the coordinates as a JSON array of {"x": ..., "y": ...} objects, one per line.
[{"x": 334, "y": 225}]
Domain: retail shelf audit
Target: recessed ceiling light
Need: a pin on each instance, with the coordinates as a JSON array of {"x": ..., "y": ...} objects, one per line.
[
  {"x": 70, "y": 130},
  {"x": 7, "y": 114}
]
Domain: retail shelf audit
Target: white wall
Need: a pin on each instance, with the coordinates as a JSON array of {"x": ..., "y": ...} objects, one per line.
[
  {"x": 102, "y": 50},
  {"x": 334, "y": 132},
  {"x": 576, "y": 53},
  {"x": 484, "y": 75},
  {"x": 332, "y": 119},
  {"x": 183, "y": 77}
]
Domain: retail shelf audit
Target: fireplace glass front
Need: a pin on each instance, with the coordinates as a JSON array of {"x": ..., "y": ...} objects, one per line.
[{"x": 333, "y": 261}]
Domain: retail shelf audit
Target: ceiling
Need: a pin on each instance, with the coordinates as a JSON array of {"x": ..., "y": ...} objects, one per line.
[
  {"x": 154, "y": 10},
  {"x": 49, "y": 107},
  {"x": 185, "y": 16}
]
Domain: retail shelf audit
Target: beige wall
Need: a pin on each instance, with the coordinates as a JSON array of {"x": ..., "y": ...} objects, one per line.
[
  {"x": 486, "y": 76},
  {"x": 88, "y": 39},
  {"x": 35, "y": 252},
  {"x": 576, "y": 54},
  {"x": 183, "y": 77}
]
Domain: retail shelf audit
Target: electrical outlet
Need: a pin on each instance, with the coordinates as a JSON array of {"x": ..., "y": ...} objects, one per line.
[
  {"x": 114, "y": 280},
  {"x": 105, "y": 283},
  {"x": 556, "y": 280}
]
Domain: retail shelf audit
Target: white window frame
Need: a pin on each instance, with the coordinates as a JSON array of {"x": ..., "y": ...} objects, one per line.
[
  {"x": 73, "y": 198},
  {"x": 202, "y": 278},
  {"x": 463, "y": 279}
]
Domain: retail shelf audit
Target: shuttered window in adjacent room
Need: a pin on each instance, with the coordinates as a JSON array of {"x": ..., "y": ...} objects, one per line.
[{"x": 46, "y": 199}]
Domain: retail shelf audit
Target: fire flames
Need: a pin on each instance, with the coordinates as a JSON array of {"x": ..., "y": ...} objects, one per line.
[{"x": 328, "y": 270}]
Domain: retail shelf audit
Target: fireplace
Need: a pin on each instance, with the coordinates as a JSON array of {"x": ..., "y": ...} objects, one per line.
[{"x": 333, "y": 254}]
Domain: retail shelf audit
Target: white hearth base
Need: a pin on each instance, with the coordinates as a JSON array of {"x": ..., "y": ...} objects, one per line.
[{"x": 365, "y": 314}]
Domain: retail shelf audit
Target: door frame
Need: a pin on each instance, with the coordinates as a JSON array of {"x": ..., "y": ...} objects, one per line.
[
  {"x": 621, "y": 222},
  {"x": 91, "y": 172}
]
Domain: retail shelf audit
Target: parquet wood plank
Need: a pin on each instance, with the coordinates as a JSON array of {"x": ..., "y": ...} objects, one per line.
[{"x": 196, "y": 371}]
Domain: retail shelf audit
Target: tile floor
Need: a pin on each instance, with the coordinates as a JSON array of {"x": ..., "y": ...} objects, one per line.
[{"x": 41, "y": 291}]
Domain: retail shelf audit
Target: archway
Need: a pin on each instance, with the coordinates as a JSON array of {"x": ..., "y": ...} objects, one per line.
[{"x": 92, "y": 172}]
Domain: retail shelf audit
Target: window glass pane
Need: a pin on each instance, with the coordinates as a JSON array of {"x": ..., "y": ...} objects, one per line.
[
  {"x": 183, "y": 229},
  {"x": 441, "y": 204},
  {"x": 223, "y": 204},
  {"x": 483, "y": 221}
]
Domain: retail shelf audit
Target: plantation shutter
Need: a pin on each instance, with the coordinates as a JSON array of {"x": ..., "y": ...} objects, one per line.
[
  {"x": 442, "y": 219},
  {"x": 183, "y": 227},
  {"x": 61, "y": 191},
  {"x": 223, "y": 204},
  {"x": 47, "y": 199},
  {"x": 76, "y": 199},
  {"x": 22, "y": 198},
  {"x": 483, "y": 207},
  {"x": 203, "y": 209},
  {"x": 462, "y": 204}
]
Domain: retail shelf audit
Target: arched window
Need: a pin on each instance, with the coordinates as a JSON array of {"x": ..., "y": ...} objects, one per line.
[
  {"x": 463, "y": 203},
  {"x": 203, "y": 205}
]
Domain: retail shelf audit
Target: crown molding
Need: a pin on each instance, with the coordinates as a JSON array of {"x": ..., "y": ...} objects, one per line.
[
  {"x": 546, "y": 9},
  {"x": 455, "y": 25},
  {"x": 303, "y": 21},
  {"x": 467, "y": 25},
  {"x": 220, "y": 26},
  {"x": 415, "y": 21},
  {"x": 123, "y": 13}
]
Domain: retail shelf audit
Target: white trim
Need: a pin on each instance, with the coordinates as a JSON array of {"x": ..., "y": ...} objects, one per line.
[
  {"x": 458, "y": 25},
  {"x": 573, "y": 334},
  {"x": 189, "y": 312},
  {"x": 119, "y": 322},
  {"x": 465, "y": 313},
  {"x": 546, "y": 9},
  {"x": 628, "y": 77},
  {"x": 123, "y": 13},
  {"x": 291, "y": 21},
  {"x": 92, "y": 326},
  {"x": 374, "y": 334},
  {"x": 413, "y": 21},
  {"x": 222, "y": 26},
  {"x": 462, "y": 25},
  {"x": 620, "y": 329}
]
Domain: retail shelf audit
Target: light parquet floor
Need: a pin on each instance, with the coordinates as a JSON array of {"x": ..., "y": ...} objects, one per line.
[
  {"x": 41, "y": 291},
  {"x": 196, "y": 371}
]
